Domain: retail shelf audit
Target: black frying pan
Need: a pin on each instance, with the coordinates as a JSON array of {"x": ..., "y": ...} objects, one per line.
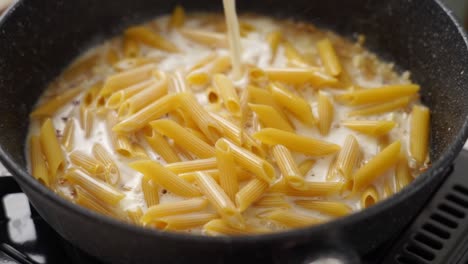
[{"x": 39, "y": 38}]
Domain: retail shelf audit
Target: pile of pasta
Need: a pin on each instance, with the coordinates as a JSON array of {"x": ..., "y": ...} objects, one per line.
[{"x": 230, "y": 159}]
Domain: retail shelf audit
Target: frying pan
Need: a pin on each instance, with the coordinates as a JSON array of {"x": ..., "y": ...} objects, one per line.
[{"x": 39, "y": 38}]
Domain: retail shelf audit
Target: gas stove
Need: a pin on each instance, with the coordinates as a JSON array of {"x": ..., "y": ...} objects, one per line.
[{"x": 439, "y": 234}]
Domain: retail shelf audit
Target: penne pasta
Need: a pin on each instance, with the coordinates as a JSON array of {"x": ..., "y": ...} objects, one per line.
[
  {"x": 52, "y": 151},
  {"x": 348, "y": 157},
  {"x": 246, "y": 159},
  {"x": 164, "y": 177},
  {"x": 273, "y": 39},
  {"x": 87, "y": 116},
  {"x": 311, "y": 189},
  {"x": 329, "y": 57},
  {"x": 295, "y": 59},
  {"x": 125, "y": 79},
  {"x": 131, "y": 49},
  {"x": 68, "y": 135},
  {"x": 145, "y": 97},
  {"x": 296, "y": 142},
  {"x": 370, "y": 127},
  {"x": 403, "y": 175},
  {"x": 250, "y": 193},
  {"x": 269, "y": 117},
  {"x": 112, "y": 171},
  {"x": 148, "y": 37},
  {"x": 177, "y": 18},
  {"x": 57, "y": 102},
  {"x": 87, "y": 200},
  {"x": 305, "y": 166},
  {"x": 325, "y": 113},
  {"x": 228, "y": 93},
  {"x": 91, "y": 94},
  {"x": 381, "y": 108},
  {"x": 300, "y": 76},
  {"x": 369, "y": 197},
  {"x": 160, "y": 145},
  {"x": 212, "y": 95},
  {"x": 139, "y": 152},
  {"x": 219, "y": 199},
  {"x": 227, "y": 172},
  {"x": 182, "y": 222},
  {"x": 218, "y": 227},
  {"x": 256, "y": 75},
  {"x": 121, "y": 143},
  {"x": 103, "y": 191},
  {"x": 116, "y": 99},
  {"x": 38, "y": 164},
  {"x": 388, "y": 188},
  {"x": 325, "y": 207},
  {"x": 198, "y": 78},
  {"x": 332, "y": 170},
  {"x": 292, "y": 219},
  {"x": 150, "y": 192},
  {"x": 155, "y": 212},
  {"x": 299, "y": 107},
  {"x": 375, "y": 167},
  {"x": 135, "y": 215},
  {"x": 112, "y": 56},
  {"x": 205, "y": 61},
  {"x": 151, "y": 112},
  {"x": 192, "y": 165},
  {"x": 273, "y": 200},
  {"x": 378, "y": 95},
  {"x": 206, "y": 38},
  {"x": 89, "y": 164},
  {"x": 183, "y": 138},
  {"x": 419, "y": 133},
  {"x": 288, "y": 167}
]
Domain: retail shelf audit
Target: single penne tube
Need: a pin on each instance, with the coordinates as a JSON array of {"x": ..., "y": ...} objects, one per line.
[
  {"x": 325, "y": 207},
  {"x": 103, "y": 191},
  {"x": 150, "y": 192},
  {"x": 89, "y": 164},
  {"x": 112, "y": 171},
  {"x": 306, "y": 165},
  {"x": 241, "y": 174},
  {"x": 376, "y": 166},
  {"x": 112, "y": 56},
  {"x": 87, "y": 117},
  {"x": 91, "y": 94},
  {"x": 299, "y": 107},
  {"x": 219, "y": 227},
  {"x": 116, "y": 99},
  {"x": 292, "y": 219},
  {"x": 274, "y": 39},
  {"x": 160, "y": 145},
  {"x": 248, "y": 160},
  {"x": 38, "y": 164},
  {"x": 184, "y": 119},
  {"x": 311, "y": 189},
  {"x": 273, "y": 200},
  {"x": 192, "y": 165},
  {"x": 295, "y": 59},
  {"x": 81, "y": 67},
  {"x": 131, "y": 48},
  {"x": 212, "y": 95},
  {"x": 178, "y": 82},
  {"x": 183, "y": 138},
  {"x": 228, "y": 93},
  {"x": 231, "y": 130},
  {"x": 288, "y": 166},
  {"x": 204, "y": 61},
  {"x": 378, "y": 95},
  {"x": 198, "y": 78},
  {"x": 370, "y": 127},
  {"x": 120, "y": 142},
  {"x": 219, "y": 200},
  {"x": 419, "y": 133},
  {"x": 207, "y": 38},
  {"x": 381, "y": 108},
  {"x": 145, "y": 97},
  {"x": 403, "y": 175},
  {"x": 52, "y": 105},
  {"x": 188, "y": 206},
  {"x": 325, "y": 113},
  {"x": 332, "y": 171},
  {"x": 125, "y": 79},
  {"x": 329, "y": 57},
  {"x": 348, "y": 157},
  {"x": 52, "y": 151},
  {"x": 256, "y": 75},
  {"x": 182, "y": 222},
  {"x": 164, "y": 177},
  {"x": 300, "y": 76},
  {"x": 250, "y": 193},
  {"x": 296, "y": 142},
  {"x": 177, "y": 19},
  {"x": 369, "y": 197},
  {"x": 148, "y": 37},
  {"x": 138, "y": 151},
  {"x": 135, "y": 215},
  {"x": 219, "y": 65},
  {"x": 87, "y": 200},
  {"x": 68, "y": 138},
  {"x": 205, "y": 122},
  {"x": 151, "y": 112},
  {"x": 227, "y": 172},
  {"x": 269, "y": 117}
]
